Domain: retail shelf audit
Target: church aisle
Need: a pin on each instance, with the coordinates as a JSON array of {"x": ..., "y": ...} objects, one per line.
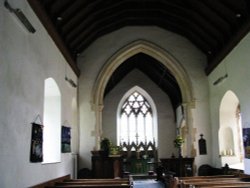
[{"x": 148, "y": 183}]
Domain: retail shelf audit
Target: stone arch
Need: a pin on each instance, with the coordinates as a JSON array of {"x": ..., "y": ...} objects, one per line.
[{"x": 161, "y": 55}]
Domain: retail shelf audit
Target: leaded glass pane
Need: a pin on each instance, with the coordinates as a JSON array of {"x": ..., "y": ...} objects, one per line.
[{"x": 136, "y": 120}]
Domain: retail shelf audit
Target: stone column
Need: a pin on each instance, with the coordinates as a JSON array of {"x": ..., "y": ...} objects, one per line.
[
  {"x": 187, "y": 130},
  {"x": 98, "y": 126}
]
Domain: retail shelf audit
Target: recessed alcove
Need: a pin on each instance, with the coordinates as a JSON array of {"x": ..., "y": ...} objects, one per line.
[{"x": 230, "y": 131}]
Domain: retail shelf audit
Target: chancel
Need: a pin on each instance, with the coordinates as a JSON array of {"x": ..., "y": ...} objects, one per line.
[{"x": 149, "y": 77}]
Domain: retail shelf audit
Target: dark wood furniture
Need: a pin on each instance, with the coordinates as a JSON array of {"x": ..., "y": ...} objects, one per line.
[
  {"x": 139, "y": 158},
  {"x": 107, "y": 167},
  {"x": 94, "y": 183},
  {"x": 52, "y": 182},
  {"x": 180, "y": 166}
]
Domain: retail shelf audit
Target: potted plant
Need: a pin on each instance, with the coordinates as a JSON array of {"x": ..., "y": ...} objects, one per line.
[
  {"x": 105, "y": 146},
  {"x": 178, "y": 141}
]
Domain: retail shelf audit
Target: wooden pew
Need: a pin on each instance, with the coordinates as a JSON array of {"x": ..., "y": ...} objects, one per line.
[
  {"x": 177, "y": 181},
  {"x": 212, "y": 182},
  {"x": 215, "y": 184},
  {"x": 208, "y": 177},
  {"x": 227, "y": 186},
  {"x": 51, "y": 182},
  {"x": 92, "y": 186},
  {"x": 98, "y": 180},
  {"x": 94, "y": 183}
]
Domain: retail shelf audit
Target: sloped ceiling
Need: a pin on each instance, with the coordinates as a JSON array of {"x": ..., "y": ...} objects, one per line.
[{"x": 214, "y": 26}]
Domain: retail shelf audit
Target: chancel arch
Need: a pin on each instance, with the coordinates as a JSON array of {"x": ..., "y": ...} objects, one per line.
[{"x": 162, "y": 56}]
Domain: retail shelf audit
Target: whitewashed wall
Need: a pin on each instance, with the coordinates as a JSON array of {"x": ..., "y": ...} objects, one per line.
[
  {"x": 26, "y": 60},
  {"x": 237, "y": 66},
  {"x": 93, "y": 59}
]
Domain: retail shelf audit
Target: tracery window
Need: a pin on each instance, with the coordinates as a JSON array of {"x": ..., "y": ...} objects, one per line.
[{"x": 136, "y": 120}]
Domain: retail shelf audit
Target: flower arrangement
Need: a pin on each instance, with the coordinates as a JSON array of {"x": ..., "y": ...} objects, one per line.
[
  {"x": 115, "y": 150},
  {"x": 178, "y": 141}
]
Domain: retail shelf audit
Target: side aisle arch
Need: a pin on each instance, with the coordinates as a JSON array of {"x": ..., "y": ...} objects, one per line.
[{"x": 141, "y": 46}]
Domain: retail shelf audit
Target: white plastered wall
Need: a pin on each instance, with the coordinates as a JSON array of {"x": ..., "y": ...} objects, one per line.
[
  {"x": 237, "y": 66},
  {"x": 26, "y": 60},
  {"x": 94, "y": 58}
]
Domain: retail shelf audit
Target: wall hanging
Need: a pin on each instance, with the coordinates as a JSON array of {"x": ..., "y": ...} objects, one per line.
[
  {"x": 36, "y": 148},
  {"x": 66, "y": 137},
  {"x": 246, "y": 142}
]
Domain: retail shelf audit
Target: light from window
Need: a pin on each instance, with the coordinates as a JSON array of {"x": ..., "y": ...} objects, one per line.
[
  {"x": 52, "y": 122},
  {"x": 136, "y": 120}
]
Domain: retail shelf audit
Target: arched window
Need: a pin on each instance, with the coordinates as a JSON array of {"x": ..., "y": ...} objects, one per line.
[
  {"x": 52, "y": 122},
  {"x": 136, "y": 119}
]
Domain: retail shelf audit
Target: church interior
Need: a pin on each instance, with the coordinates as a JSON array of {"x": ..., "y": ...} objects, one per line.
[{"x": 155, "y": 83}]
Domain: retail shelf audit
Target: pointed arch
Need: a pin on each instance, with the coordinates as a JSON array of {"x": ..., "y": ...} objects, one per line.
[
  {"x": 153, "y": 109},
  {"x": 161, "y": 55},
  {"x": 142, "y": 46},
  {"x": 230, "y": 131}
]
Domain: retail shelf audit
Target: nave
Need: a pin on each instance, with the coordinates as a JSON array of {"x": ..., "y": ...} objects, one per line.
[
  {"x": 129, "y": 182},
  {"x": 215, "y": 181}
]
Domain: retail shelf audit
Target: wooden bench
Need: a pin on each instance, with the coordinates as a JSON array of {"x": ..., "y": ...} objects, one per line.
[
  {"x": 92, "y": 186},
  {"x": 227, "y": 186},
  {"x": 51, "y": 182},
  {"x": 207, "y": 177},
  {"x": 94, "y": 183},
  {"x": 215, "y": 184},
  {"x": 210, "y": 181}
]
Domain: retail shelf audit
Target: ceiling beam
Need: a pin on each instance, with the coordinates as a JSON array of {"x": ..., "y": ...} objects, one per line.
[
  {"x": 228, "y": 48},
  {"x": 45, "y": 20}
]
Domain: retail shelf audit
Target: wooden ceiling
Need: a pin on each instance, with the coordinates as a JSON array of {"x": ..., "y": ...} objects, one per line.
[
  {"x": 214, "y": 26},
  {"x": 155, "y": 70}
]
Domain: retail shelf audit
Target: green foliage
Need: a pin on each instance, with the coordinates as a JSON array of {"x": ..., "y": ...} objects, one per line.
[
  {"x": 105, "y": 144},
  {"x": 115, "y": 150},
  {"x": 178, "y": 141}
]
